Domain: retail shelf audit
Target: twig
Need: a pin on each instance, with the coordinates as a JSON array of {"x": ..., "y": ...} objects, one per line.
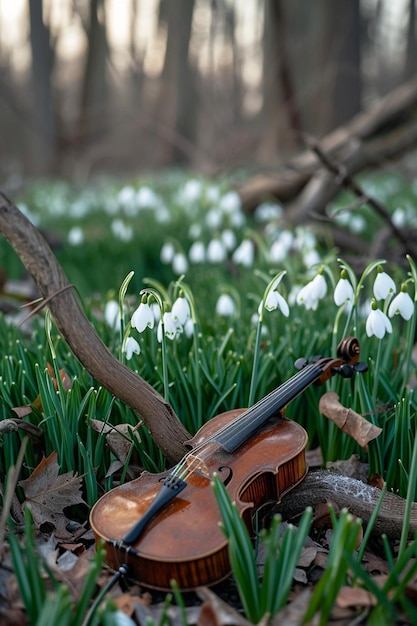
[{"x": 344, "y": 180}]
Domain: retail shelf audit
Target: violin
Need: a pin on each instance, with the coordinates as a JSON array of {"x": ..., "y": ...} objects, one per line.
[{"x": 165, "y": 526}]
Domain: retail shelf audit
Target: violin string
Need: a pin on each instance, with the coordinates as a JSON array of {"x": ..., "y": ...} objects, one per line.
[
  {"x": 269, "y": 400},
  {"x": 184, "y": 469}
]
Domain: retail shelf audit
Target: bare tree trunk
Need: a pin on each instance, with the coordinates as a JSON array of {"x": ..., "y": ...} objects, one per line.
[
  {"x": 178, "y": 98},
  {"x": 411, "y": 53},
  {"x": 94, "y": 90},
  {"x": 44, "y": 138},
  {"x": 281, "y": 116}
]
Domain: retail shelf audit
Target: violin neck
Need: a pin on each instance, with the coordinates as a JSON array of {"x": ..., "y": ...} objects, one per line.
[{"x": 243, "y": 427}]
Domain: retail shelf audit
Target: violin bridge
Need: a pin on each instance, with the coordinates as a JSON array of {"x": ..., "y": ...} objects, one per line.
[{"x": 196, "y": 464}]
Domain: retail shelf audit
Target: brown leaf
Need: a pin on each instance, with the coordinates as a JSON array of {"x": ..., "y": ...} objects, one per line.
[
  {"x": 65, "y": 378},
  {"x": 347, "y": 420},
  {"x": 118, "y": 437},
  {"x": 48, "y": 494},
  {"x": 355, "y": 596}
]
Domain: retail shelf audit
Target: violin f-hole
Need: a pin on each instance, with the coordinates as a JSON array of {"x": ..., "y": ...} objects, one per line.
[{"x": 226, "y": 479}]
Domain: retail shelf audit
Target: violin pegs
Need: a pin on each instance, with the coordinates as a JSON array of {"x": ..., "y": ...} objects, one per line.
[
  {"x": 300, "y": 363},
  {"x": 360, "y": 367}
]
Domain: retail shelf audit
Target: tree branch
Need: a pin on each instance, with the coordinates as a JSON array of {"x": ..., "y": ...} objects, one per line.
[{"x": 166, "y": 429}]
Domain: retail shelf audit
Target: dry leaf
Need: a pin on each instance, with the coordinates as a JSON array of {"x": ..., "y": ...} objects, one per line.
[
  {"x": 118, "y": 437},
  {"x": 355, "y": 596},
  {"x": 48, "y": 494},
  {"x": 347, "y": 420}
]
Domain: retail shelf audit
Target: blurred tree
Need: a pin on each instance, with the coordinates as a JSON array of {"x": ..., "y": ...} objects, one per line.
[
  {"x": 93, "y": 113},
  {"x": 177, "y": 107},
  {"x": 43, "y": 148}
]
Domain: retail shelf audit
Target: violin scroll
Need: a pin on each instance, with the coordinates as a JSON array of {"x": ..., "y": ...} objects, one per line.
[
  {"x": 349, "y": 350},
  {"x": 346, "y": 364}
]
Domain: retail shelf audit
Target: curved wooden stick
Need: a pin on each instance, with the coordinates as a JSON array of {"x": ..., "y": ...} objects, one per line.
[{"x": 166, "y": 429}]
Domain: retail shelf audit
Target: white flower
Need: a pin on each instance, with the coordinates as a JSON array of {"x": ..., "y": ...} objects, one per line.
[
  {"x": 75, "y": 236},
  {"x": 343, "y": 292},
  {"x": 312, "y": 292},
  {"x": 191, "y": 190},
  {"x": 167, "y": 252},
  {"x": 189, "y": 328},
  {"x": 143, "y": 317},
  {"x": 112, "y": 314},
  {"x": 214, "y": 218},
  {"x": 225, "y": 305},
  {"x": 383, "y": 285},
  {"x": 377, "y": 324},
  {"x": 216, "y": 252},
  {"x": 195, "y": 230},
  {"x": 244, "y": 254},
  {"x": 146, "y": 198},
  {"x": 268, "y": 211},
  {"x": 171, "y": 327},
  {"x": 179, "y": 264},
  {"x": 181, "y": 310},
  {"x": 230, "y": 202},
  {"x": 197, "y": 253},
  {"x": 228, "y": 237},
  {"x": 275, "y": 300},
  {"x": 403, "y": 305},
  {"x": 121, "y": 230},
  {"x": 131, "y": 346}
]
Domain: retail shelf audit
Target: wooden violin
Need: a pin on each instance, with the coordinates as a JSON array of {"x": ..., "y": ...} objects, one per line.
[{"x": 165, "y": 526}]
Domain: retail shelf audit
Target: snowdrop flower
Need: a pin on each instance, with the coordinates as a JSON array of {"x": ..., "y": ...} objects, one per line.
[
  {"x": 245, "y": 253},
  {"x": 214, "y": 218},
  {"x": 121, "y": 230},
  {"x": 171, "y": 327},
  {"x": 311, "y": 257},
  {"x": 162, "y": 214},
  {"x": 167, "y": 252},
  {"x": 197, "y": 253},
  {"x": 179, "y": 264},
  {"x": 225, "y": 305},
  {"x": 75, "y": 236},
  {"x": 189, "y": 328},
  {"x": 230, "y": 202},
  {"x": 343, "y": 291},
  {"x": 146, "y": 198},
  {"x": 127, "y": 198},
  {"x": 191, "y": 191},
  {"x": 383, "y": 285},
  {"x": 312, "y": 292},
  {"x": 181, "y": 310},
  {"x": 228, "y": 237},
  {"x": 402, "y": 304},
  {"x": 112, "y": 314},
  {"x": 131, "y": 347},
  {"x": 267, "y": 211},
  {"x": 212, "y": 194},
  {"x": 143, "y": 317},
  {"x": 357, "y": 223},
  {"x": 194, "y": 231},
  {"x": 275, "y": 300},
  {"x": 216, "y": 252},
  {"x": 377, "y": 323}
]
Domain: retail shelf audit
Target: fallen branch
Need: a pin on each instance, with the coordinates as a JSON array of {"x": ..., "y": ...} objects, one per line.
[
  {"x": 360, "y": 498},
  {"x": 165, "y": 427},
  {"x": 382, "y": 121}
]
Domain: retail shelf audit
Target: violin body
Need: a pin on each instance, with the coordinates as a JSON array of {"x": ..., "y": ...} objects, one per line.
[{"x": 184, "y": 541}]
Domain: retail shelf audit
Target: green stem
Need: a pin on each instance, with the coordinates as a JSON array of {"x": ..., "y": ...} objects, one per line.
[{"x": 254, "y": 377}]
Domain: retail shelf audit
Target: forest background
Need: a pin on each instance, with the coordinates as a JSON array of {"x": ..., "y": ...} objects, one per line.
[{"x": 124, "y": 85}]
